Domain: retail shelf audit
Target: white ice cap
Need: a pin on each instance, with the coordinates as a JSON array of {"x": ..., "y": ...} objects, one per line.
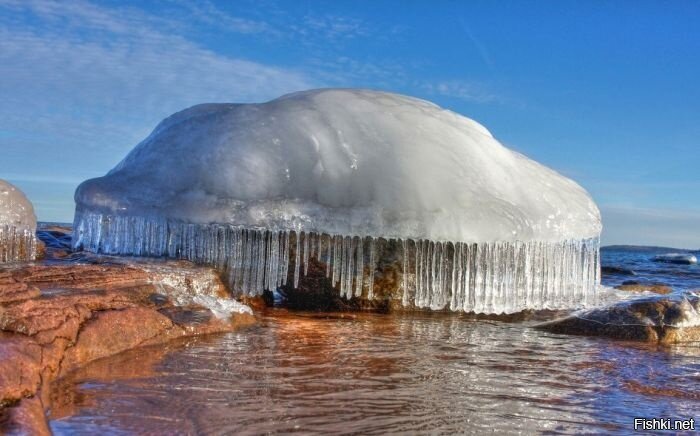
[
  {"x": 343, "y": 161},
  {"x": 15, "y": 209}
]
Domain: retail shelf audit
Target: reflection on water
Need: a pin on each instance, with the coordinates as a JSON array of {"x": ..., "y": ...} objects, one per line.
[{"x": 377, "y": 374}]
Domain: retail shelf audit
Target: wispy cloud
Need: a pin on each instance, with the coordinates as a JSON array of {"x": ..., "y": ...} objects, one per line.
[
  {"x": 82, "y": 84},
  {"x": 332, "y": 27},
  {"x": 480, "y": 48},
  {"x": 123, "y": 78},
  {"x": 473, "y": 92},
  {"x": 82, "y": 14},
  {"x": 206, "y": 12}
]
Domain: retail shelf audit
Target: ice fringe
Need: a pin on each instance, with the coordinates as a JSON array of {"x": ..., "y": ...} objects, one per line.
[
  {"x": 16, "y": 244},
  {"x": 493, "y": 277}
]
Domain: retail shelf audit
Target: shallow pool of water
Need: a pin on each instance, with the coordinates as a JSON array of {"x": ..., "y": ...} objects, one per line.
[{"x": 378, "y": 374}]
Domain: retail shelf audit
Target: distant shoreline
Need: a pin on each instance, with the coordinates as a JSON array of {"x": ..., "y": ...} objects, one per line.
[{"x": 645, "y": 249}]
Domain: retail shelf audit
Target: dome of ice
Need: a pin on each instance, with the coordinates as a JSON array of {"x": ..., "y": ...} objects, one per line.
[
  {"x": 345, "y": 163},
  {"x": 17, "y": 225}
]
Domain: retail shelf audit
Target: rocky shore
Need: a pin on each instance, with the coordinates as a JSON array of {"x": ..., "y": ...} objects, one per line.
[{"x": 71, "y": 309}]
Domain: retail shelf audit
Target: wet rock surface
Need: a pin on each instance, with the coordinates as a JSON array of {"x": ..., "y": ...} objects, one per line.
[
  {"x": 664, "y": 319},
  {"x": 316, "y": 293},
  {"x": 610, "y": 270},
  {"x": 60, "y": 314},
  {"x": 636, "y": 286}
]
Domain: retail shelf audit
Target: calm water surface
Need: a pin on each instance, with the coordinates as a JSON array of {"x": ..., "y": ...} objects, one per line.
[{"x": 379, "y": 374}]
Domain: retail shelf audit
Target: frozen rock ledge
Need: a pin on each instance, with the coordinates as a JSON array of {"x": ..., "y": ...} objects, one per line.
[
  {"x": 348, "y": 177},
  {"x": 17, "y": 225}
]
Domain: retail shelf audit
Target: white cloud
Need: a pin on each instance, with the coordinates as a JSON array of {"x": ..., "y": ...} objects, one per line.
[
  {"x": 86, "y": 83},
  {"x": 127, "y": 62},
  {"x": 82, "y": 83},
  {"x": 206, "y": 12}
]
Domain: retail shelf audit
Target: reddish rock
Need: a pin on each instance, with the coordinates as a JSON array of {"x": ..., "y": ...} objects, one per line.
[
  {"x": 26, "y": 418},
  {"x": 20, "y": 368},
  {"x": 656, "y": 288},
  {"x": 57, "y": 316},
  {"x": 10, "y": 290},
  {"x": 40, "y": 250},
  {"x": 114, "y": 331}
]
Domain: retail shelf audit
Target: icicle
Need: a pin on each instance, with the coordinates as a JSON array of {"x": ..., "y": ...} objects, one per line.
[
  {"x": 456, "y": 278},
  {"x": 312, "y": 245},
  {"x": 344, "y": 266},
  {"x": 274, "y": 260},
  {"x": 490, "y": 277},
  {"x": 261, "y": 263},
  {"x": 370, "y": 267},
  {"x": 305, "y": 251},
  {"x": 350, "y": 267},
  {"x": 336, "y": 259},
  {"x": 419, "y": 270},
  {"x": 328, "y": 257},
  {"x": 359, "y": 266},
  {"x": 268, "y": 261},
  {"x": 297, "y": 256},
  {"x": 404, "y": 271},
  {"x": 16, "y": 244}
]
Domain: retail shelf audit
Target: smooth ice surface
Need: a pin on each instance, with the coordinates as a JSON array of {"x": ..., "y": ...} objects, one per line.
[
  {"x": 347, "y": 162},
  {"x": 15, "y": 208},
  {"x": 17, "y": 225}
]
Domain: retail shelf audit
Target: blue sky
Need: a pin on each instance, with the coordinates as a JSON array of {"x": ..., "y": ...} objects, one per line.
[{"x": 604, "y": 92}]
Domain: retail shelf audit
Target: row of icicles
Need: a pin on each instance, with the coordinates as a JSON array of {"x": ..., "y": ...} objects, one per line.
[
  {"x": 16, "y": 244},
  {"x": 490, "y": 277}
]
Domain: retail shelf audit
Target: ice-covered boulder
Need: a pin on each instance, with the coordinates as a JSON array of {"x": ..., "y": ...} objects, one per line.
[
  {"x": 17, "y": 225},
  {"x": 665, "y": 319},
  {"x": 234, "y": 184}
]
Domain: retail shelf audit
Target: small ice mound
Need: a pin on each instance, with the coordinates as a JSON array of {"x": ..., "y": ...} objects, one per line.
[
  {"x": 17, "y": 225},
  {"x": 679, "y": 258},
  {"x": 259, "y": 189},
  {"x": 222, "y": 308}
]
